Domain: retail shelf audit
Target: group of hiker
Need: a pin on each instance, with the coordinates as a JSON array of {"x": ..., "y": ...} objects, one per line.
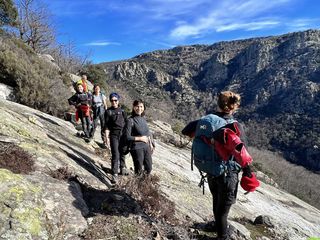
[
  {"x": 121, "y": 134},
  {"x": 218, "y": 147}
]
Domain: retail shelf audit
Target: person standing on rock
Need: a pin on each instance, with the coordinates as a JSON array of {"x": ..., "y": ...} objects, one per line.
[
  {"x": 226, "y": 156},
  {"x": 115, "y": 120},
  {"x": 99, "y": 105},
  {"x": 138, "y": 133},
  {"x": 224, "y": 190},
  {"x": 82, "y": 101}
]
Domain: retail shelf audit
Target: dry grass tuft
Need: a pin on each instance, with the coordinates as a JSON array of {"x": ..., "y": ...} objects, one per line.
[
  {"x": 62, "y": 173},
  {"x": 145, "y": 190},
  {"x": 15, "y": 159}
]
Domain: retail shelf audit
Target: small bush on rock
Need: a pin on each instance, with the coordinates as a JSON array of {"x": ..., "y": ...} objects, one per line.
[
  {"x": 15, "y": 159},
  {"x": 145, "y": 189}
]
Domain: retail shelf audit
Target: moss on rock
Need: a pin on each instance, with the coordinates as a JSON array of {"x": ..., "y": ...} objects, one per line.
[
  {"x": 20, "y": 200},
  {"x": 6, "y": 176},
  {"x": 30, "y": 219}
]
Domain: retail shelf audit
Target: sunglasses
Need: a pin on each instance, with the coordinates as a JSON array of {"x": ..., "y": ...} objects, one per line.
[{"x": 114, "y": 100}]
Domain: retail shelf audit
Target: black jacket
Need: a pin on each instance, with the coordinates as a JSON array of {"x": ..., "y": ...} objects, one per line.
[
  {"x": 80, "y": 98},
  {"x": 137, "y": 126},
  {"x": 115, "y": 120}
]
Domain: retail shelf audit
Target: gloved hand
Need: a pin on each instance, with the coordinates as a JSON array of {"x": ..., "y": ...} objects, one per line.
[
  {"x": 249, "y": 184},
  {"x": 247, "y": 171}
]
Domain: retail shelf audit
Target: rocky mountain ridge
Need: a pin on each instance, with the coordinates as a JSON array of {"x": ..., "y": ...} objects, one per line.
[{"x": 278, "y": 78}]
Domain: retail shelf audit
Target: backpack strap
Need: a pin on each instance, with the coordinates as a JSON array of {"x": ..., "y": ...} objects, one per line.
[
  {"x": 101, "y": 96},
  {"x": 109, "y": 112},
  {"x": 192, "y": 158},
  {"x": 203, "y": 176},
  {"x": 124, "y": 115}
]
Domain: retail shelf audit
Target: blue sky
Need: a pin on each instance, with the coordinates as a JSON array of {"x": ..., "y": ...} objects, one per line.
[{"x": 120, "y": 29}]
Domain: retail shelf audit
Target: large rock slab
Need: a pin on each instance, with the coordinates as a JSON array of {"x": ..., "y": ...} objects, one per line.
[{"x": 38, "y": 206}]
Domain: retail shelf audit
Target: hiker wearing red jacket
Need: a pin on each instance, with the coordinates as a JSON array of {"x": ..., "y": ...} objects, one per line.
[{"x": 82, "y": 101}]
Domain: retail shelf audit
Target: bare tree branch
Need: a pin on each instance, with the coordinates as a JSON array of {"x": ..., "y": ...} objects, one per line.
[
  {"x": 67, "y": 57},
  {"x": 35, "y": 26}
]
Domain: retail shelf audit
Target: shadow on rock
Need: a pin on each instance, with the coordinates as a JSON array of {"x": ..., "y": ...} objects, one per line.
[
  {"x": 113, "y": 202},
  {"x": 203, "y": 231},
  {"x": 106, "y": 202},
  {"x": 84, "y": 161},
  {"x": 47, "y": 119}
]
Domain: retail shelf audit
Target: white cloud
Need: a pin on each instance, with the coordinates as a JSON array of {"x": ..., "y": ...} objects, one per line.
[
  {"x": 301, "y": 24},
  {"x": 101, "y": 43},
  {"x": 304, "y": 22},
  {"x": 164, "y": 44},
  {"x": 231, "y": 15},
  {"x": 247, "y": 26}
]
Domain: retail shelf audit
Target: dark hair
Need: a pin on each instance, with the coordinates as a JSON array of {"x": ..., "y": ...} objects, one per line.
[
  {"x": 228, "y": 101},
  {"x": 96, "y": 85},
  {"x": 136, "y": 103}
]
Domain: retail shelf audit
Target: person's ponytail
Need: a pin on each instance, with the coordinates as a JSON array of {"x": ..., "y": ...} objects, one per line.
[{"x": 228, "y": 101}]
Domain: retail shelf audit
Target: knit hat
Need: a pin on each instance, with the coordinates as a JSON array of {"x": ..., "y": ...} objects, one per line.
[
  {"x": 112, "y": 95},
  {"x": 249, "y": 184}
]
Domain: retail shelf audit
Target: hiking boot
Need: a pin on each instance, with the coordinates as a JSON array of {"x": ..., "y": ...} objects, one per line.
[
  {"x": 104, "y": 146},
  {"x": 124, "y": 171},
  {"x": 80, "y": 134},
  {"x": 210, "y": 227},
  {"x": 114, "y": 178}
]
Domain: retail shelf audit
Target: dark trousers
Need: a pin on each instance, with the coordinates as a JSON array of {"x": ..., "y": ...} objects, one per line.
[
  {"x": 142, "y": 158},
  {"x": 117, "y": 157},
  {"x": 86, "y": 125},
  {"x": 95, "y": 124},
  {"x": 224, "y": 193}
]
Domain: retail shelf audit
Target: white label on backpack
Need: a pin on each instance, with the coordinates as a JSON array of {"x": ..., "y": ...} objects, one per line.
[{"x": 203, "y": 127}]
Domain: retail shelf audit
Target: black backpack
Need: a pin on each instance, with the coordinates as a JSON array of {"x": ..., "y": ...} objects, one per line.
[{"x": 124, "y": 144}]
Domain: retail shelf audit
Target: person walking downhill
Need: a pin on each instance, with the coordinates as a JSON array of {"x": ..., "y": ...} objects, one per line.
[
  {"x": 82, "y": 102},
  {"x": 99, "y": 105},
  {"x": 115, "y": 120},
  {"x": 137, "y": 131}
]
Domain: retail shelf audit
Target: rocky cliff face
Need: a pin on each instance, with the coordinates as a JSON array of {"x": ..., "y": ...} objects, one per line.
[
  {"x": 57, "y": 198},
  {"x": 278, "y": 78}
]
